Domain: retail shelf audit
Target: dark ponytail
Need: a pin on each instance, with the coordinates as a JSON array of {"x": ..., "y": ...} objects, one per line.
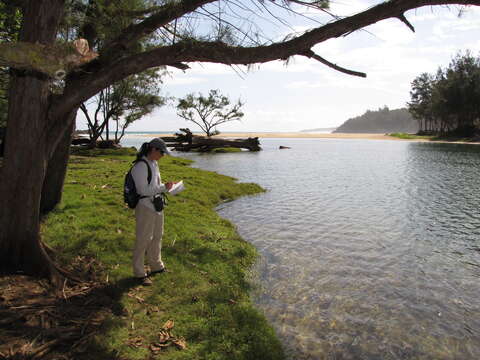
[{"x": 144, "y": 150}]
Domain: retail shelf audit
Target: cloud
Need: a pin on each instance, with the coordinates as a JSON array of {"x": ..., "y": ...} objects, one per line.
[
  {"x": 450, "y": 29},
  {"x": 178, "y": 80}
]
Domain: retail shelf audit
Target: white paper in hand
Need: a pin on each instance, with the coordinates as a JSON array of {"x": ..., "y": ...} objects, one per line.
[{"x": 176, "y": 188}]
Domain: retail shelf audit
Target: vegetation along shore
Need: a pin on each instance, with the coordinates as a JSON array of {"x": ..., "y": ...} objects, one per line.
[{"x": 199, "y": 309}]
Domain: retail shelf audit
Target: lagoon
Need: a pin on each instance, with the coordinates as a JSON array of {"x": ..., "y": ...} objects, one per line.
[{"x": 370, "y": 249}]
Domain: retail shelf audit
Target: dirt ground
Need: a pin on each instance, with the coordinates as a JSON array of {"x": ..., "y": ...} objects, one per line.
[{"x": 39, "y": 322}]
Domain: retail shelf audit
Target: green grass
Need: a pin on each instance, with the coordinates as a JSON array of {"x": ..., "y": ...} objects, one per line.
[
  {"x": 441, "y": 138},
  {"x": 410, "y": 136},
  {"x": 205, "y": 291},
  {"x": 226, "y": 150}
]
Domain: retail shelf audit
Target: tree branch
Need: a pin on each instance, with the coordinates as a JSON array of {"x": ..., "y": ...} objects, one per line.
[
  {"x": 54, "y": 61},
  {"x": 136, "y": 13},
  {"x": 403, "y": 19},
  {"x": 188, "y": 118},
  {"x": 100, "y": 102},
  {"x": 166, "y": 14},
  {"x": 102, "y": 75},
  {"x": 85, "y": 112},
  {"x": 179, "y": 65},
  {"x": 311, "y": 54}
]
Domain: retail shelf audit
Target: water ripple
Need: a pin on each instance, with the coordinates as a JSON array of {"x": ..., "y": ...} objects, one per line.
[{"x": 370, "y": 249}]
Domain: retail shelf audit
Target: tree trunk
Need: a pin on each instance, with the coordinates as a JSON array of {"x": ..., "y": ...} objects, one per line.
[
  {"x": 27, "y": 152},
  {"x": 57, "y": 169},
  {"x": 107, "y": 130},
  {"x": 22, "y": 175}
]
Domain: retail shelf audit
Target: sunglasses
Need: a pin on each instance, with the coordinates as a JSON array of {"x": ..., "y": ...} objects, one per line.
[{"x": 161, "y": 151}]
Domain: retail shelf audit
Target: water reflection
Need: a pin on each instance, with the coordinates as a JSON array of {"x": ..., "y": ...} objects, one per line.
[{"x": 370, "y": 249}]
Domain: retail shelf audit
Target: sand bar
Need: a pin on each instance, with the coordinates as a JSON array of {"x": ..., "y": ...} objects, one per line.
[
  {"x": 311, "y": 135},
  {"x": 295, "y": 135},
  {"x": 306, "y": 135}
]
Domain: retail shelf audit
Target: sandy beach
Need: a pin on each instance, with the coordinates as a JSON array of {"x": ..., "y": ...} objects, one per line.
[
  {"x": 309, "y": 135},
  {"x": 299, "y": 135},
  {"x": 306, "y": 135}
]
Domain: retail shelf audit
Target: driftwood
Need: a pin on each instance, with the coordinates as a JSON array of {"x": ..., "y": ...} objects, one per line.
[
  {"x": 201, "y": 143},
  {"x": 188, "y": 141},
  {"x": 81, "y": 141}
]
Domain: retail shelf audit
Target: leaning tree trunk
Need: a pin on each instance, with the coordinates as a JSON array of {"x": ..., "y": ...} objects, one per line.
[
  {"x": 22, "y": 175},
  {"x": 57, "y": 169},
  {"x": 27, "y": 148}
]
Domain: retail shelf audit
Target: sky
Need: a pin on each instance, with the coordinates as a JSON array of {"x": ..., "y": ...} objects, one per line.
[{"x": 305, "y": 94}]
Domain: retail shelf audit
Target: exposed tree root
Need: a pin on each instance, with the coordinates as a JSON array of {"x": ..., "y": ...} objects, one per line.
[
  {"x": 57, "y": 275},
  {"x": 36, "y": 323}
]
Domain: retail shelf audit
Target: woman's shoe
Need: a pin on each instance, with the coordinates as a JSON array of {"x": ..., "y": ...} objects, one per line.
[
  {"x": 144, "y": 281},
  {"x": 153, "y": 273}
]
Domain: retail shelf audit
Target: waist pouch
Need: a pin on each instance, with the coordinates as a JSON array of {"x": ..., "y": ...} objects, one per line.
[{"x": 159, "y": 202}]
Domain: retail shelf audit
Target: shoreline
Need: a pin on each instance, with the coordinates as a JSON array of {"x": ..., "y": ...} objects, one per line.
[
  {"x": 301, "y": 135},
  {"x": 295, "y": 135},
  {"x": 204, "y": 292}
]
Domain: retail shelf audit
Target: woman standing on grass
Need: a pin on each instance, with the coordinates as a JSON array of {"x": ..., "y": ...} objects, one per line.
[{"x": 149, "y": 221}]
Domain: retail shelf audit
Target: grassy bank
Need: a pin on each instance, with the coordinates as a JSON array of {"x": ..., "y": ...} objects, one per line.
[
  {"x": 205, "y": 291},
  {"x": 411, "y": 136},
  {"x": 438, "y": 138}
]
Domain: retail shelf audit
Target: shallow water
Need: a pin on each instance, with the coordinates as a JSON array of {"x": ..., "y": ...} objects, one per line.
[{"x": 370, "y": 249}]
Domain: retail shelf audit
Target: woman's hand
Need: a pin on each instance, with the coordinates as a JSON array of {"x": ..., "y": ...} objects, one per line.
[{"x": 169, "y": 185}]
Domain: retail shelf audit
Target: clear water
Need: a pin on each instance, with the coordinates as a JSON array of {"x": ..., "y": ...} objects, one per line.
[{"x": 369, "y": 249}]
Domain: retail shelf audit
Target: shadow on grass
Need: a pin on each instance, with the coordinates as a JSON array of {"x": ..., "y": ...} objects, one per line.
[{"x": 37, "y": 322}]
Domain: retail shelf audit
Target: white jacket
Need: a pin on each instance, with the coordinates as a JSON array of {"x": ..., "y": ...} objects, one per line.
[{"x": 140, "y": 176}]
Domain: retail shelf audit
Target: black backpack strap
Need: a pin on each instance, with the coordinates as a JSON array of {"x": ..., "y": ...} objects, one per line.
[{"x": 149, "y": 178}]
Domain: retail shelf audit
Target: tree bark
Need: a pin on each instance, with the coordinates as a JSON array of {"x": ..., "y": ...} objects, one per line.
[
  {"x": 22, "y": 175},
  {"x": 28, "y": 146},
  {"x": 57, "y": 169},
  {"x": 55, "y": 61}
]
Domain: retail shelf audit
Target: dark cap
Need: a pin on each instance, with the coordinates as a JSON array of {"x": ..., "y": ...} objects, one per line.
[{"x": 159, "y": 144}]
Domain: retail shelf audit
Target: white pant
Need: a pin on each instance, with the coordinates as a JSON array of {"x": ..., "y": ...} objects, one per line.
[{"x": 149, "y": 231}]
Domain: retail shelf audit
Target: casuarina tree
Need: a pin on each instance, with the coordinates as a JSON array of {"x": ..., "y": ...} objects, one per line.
[
  {"x": 447, "y": 102},
  {"x": 40, "y": 120},
  {"x": 122, "y": 103},
  {"x": 209, "y": 111}
]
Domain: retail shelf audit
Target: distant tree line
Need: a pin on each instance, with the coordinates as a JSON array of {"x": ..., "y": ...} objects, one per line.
[
  {"x": 380, "y": 121},
  {"x": 448, "y": 102}
]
